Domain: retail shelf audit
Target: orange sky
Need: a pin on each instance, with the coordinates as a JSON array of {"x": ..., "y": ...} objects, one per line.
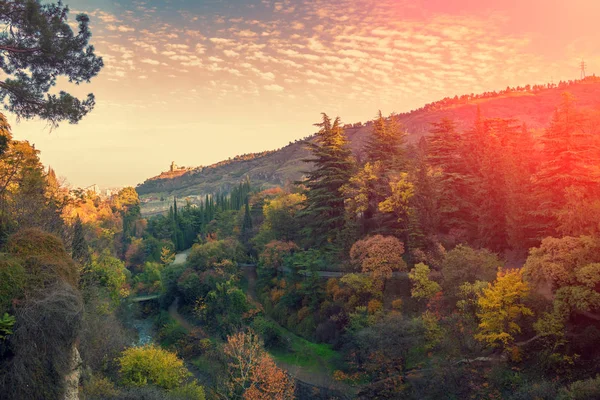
[{"x": 200, "y": 81}]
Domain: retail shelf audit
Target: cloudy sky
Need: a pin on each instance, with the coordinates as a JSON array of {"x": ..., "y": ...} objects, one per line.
[{"x": 198, "y": 81}]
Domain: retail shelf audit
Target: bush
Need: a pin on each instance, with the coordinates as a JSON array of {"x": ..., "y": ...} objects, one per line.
[
  {"x": 44, "y": 258},
  {"x": 191, "y": 391},
  {"x": 588, "y": 389},
  {"x": 141, "y": 366},
  {"x": 12, "y": 281},
  {"x": 207, "y": 255}
]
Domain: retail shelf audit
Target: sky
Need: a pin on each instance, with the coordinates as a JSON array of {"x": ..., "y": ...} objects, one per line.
[{"x": 199, "y": 81}]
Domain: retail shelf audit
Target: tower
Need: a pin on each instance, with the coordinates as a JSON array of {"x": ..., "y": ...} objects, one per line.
[
  {"x": 173, "y": 166},
  {"x": 583, "y": 69}
]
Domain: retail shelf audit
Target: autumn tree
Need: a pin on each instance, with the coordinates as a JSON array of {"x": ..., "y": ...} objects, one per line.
[
  {"x": 323, "y": 210},
  {"x": 501, "y": 306},
  {"x": 252, "y": 373},
  {"x": 40, "y": 47},
  {"x": 270, "y": 382},
  {"x": 273, "y": 256},
  {"x": 379, "y": 256},
  {"x": 568, "y": 269},
  {"x": 166, "y": 256}
]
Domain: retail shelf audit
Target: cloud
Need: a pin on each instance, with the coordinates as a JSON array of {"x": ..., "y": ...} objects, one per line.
[
  {"x": 150, "y": 61},
  {"x": 120, "y": 28},
  {"x": 247, "y": 33},
  {"x": 231, "y": 53},
  {"x": 274, "y": 88}
]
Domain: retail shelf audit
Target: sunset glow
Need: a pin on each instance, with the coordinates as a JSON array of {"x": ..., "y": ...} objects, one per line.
[{"x": 201, "y": 81}]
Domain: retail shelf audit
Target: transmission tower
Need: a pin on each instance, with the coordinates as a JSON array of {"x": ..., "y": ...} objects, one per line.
[{"x": 583, "y": 65}]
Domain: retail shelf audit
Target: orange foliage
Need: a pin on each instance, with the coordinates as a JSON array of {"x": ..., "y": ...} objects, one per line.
[
  {"x": 379, "y": 255},
  {"x": 374, "y": 306},
  {"x": 274, "y": 253},
  {"x": 269, "y": 382},
  {"x": 253, "y": 372}
]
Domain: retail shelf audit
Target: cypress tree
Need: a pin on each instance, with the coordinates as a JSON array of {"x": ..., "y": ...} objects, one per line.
[{"x": 79, "y": 245}]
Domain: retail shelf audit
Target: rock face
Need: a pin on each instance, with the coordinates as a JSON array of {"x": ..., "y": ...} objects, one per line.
[{"x": 72, "y": 379}]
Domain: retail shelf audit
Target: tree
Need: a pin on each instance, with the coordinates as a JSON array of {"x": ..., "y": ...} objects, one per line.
[
  {"x": 273, "y": 256},
  {"x": 569, "y": 160},
  {"x": 386, "y": 143},
  {"x": 501, "y": 305},
  {"x": 39, "y": 46},
  {"x": 270, "y": 382},
  {"x": 398, "y": 203},
  {"x": 79, "y": 246},
  {"x": 379, "y": 256},
  {"x": 166, "y": 256},
  {"x": 323, "y": 210},
  {"x": 252, "y": 373},
  {"x": 557, "y": 260},
  {"x": 464, "y": 264},
  {"x": 141, "y": 366},
  {"x": 444, "y": 153},
  {"x": 423, "y": 286}
]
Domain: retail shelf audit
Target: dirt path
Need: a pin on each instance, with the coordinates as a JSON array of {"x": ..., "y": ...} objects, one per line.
[
  {"x": 181, "y": 258},
  {"x": 174, "y": 313}
]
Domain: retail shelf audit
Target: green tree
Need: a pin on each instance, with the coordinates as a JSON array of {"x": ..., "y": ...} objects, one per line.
[
  {"x": 40, "y": 48},
  {"x": 324, "y": 206},
  {"x": 79, "y": 246},
  {"x": 423, "y": 286},
  {"x": 386, "y": 143}
]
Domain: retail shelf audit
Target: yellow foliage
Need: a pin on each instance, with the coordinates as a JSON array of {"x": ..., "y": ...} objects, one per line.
[
  {"x": 500, "y": 306},
  {"x": 140, "y": 366}
]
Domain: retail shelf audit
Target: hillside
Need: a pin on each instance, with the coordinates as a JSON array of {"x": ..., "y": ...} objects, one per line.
[{"x": 532, "y": 105}]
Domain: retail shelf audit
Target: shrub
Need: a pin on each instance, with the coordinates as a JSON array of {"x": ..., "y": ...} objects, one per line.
[
  {"x": 191, "y": 391},
  {"x": 206, "y": 255},
  {"x": 12, "y": 281},
  {"x": 44, "y": 258},
  {"x": 140, "y": 366},
  {"x": 581, "y": 390}
]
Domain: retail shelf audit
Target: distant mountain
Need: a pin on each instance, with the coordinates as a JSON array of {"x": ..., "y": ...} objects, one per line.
[{"x": 531, "y": 105}]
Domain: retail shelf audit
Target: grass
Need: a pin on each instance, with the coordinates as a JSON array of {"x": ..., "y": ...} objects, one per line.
[{"x": 315, "y": 357}]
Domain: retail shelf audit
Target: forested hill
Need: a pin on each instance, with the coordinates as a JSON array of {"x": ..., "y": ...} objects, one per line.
[{"x": 531, "y": 105}]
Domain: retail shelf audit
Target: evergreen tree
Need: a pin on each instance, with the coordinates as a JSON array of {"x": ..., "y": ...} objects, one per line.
[
  {"x": 570, "y": 158},
  {"x": 41, "y": 47},
  {"x": 324, "y": 205},
  {"x": 79, "y": 246},
  {"x": 386, "y": 143},
  {"x": 445, "y": 152}
]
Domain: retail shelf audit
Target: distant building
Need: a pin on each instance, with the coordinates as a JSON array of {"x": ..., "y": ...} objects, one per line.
[{"x": 175, "y": 167}]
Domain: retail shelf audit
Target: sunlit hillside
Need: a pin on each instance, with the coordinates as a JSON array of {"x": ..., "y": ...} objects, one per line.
[{"x": 277, "y": 168}]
